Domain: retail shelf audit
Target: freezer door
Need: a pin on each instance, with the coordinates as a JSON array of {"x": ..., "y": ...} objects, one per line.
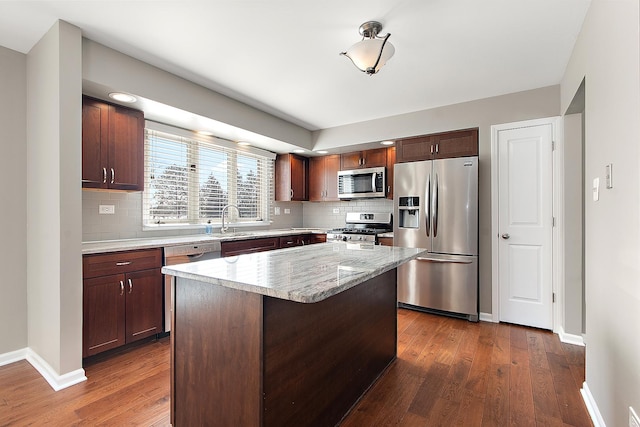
[
  {"x": 441, "y": 282},
  {"x": 454, "y": 206},
  {"x": 412, "y": 198}
]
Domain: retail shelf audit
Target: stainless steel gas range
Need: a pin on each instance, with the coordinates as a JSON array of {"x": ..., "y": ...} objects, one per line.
[{"x": 362, "y": 227}]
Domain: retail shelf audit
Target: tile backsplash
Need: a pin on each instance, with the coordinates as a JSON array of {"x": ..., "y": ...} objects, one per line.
[
  {"x": 321, "y": 214},
  {"x": 126, "y": 221}
]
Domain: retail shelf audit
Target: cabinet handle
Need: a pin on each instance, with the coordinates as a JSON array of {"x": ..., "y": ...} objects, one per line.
[
  {"x": 113, "y": 175},
  {"x": 291, "y": 191},
  {"x": 130, "y": 285},
  {"x": 437, "y": 148},
  {"x": 120, "y": 264},
  {"x": 121, "y": 288},
  {"x": 388, "y": 189},
  {"x": 431, "y": 148},
  {"x": 104, "y": 175}
]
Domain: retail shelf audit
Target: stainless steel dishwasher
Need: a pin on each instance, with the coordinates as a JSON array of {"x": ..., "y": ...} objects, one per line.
[{"x": 180, "y": 255}]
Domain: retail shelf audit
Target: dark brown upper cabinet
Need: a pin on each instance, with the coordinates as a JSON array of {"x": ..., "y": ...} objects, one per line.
[
  {"x": 462, "y": 143},
  {"x": 112, "y": 146}
]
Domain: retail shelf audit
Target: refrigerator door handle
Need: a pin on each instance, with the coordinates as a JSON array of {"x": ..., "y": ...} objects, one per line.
[
  {"x": 428, "y": 210},
  {"x": 435, "y": 207},
  {"x": 443, "y": 261}
]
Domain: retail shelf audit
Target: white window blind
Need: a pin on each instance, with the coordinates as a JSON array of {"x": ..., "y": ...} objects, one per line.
[{"x": 190, "y": 178}]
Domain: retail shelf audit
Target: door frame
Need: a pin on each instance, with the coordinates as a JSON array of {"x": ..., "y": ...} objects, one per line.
[{"x": 557, "y": 245}]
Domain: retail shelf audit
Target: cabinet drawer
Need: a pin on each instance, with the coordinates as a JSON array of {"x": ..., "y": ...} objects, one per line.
[
  {"x": 240, "y": 247},
  {"x": 120, "y": 262}
]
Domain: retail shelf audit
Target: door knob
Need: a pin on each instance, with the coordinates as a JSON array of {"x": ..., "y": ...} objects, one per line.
[{"x": 505, "y": 236}]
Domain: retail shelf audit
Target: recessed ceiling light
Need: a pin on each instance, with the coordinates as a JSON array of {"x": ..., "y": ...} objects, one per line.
[
  {"x": 298, "y": 150},
  {"x": 387, "y": 142},
  {"x": 122, "y": 97},
  {"x": 204, "y": 132},
  {"x": 322, "y": 151},
  {"x": 243, "y": 143}
]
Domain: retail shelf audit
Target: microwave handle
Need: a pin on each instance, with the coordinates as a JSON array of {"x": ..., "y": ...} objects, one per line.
[{"x": 373, "y": 181}]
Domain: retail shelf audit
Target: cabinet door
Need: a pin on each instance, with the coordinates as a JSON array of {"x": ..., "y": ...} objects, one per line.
[
  {"x": 391, "y": 161},
  {"x": 457, "y": 144},
  {"x": 331, "y": 168},
  {"x": 351, "y": 160},
  {"x": 95, "y": 134},
  {"x": 144, "y": 304},
  {"x": 316, "y": 179},
  {"x": 126, "y": 149},
  {"x": 291, "y": 178},
  {"x": 376, "y": 158},
  {"x": 103, "y": 319},
  {"x": 414, "y": 149},
  {"x": 299, "y": 178}
]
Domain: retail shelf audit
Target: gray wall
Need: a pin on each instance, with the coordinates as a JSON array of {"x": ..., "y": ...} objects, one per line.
[
  {"x": 573, "y": 202},
  {"x": 13, "y": 193},
  {"x": 54, "y": 162},
  {"x": 538, "y": 103},
  {"x": 607, "y": 56}
]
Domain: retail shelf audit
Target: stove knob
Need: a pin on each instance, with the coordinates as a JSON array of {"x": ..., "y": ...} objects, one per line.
[{"x": 344, "y": 238}]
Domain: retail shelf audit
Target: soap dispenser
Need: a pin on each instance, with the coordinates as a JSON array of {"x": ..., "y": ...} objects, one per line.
[{"x": 208, "y": 228}]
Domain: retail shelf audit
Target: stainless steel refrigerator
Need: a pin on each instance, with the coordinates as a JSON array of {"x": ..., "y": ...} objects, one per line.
[{"x": 436, "y": 207}]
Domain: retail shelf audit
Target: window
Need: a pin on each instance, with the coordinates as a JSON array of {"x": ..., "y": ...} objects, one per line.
[{"x": 190, "y": 178}]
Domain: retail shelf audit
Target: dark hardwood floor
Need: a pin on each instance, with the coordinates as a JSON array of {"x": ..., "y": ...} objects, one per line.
[{"x": 449, "y": 372}]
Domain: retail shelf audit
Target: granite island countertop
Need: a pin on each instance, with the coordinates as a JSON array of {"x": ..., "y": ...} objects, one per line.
[{"x": 306, "y": 274}]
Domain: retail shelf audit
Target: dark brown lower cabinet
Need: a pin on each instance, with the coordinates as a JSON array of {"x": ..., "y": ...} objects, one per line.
[
  {"x": 245, "y": 359},
  {"x": 124, "y": 307}
]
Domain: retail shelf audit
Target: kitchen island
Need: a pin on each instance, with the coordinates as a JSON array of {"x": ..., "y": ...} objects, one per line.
[{"x": 282, "y": 338}]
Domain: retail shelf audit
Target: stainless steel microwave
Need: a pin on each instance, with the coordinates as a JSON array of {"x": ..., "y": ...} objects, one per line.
[{"x": 361, "y": 183}]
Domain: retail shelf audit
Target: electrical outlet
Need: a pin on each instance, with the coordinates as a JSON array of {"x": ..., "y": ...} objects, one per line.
[
  {"x": 107, "y": 209},
  {"x": 336, "y": 210},
  {"x": 287, "y": 211},
  {"x": 276, "y": 210},
  {"x": 634, "y": 421}
]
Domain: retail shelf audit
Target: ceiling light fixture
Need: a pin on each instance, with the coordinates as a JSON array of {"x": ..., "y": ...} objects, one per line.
[
  {"x": 322, "y": 151},
  {"x": 204, "y": 132},
  {"x": 373, "y": 51},
  {"x": 299, "y": 150},
  {"x": 387, "y": 142},
  {"x": 122, "y": 97},
  {"x": 243, "y": 143}
]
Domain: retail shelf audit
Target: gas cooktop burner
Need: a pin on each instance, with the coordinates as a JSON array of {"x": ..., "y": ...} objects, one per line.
[{"x": 353, "y": 230}]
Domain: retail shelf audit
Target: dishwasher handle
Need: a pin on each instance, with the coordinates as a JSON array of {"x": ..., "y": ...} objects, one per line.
[{"x": 443, "y": 261}]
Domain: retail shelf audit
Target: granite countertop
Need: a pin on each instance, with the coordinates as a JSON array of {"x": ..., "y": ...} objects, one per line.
[
  {"x": 304, "y": 274},
  {"x": 104, "y": 246}
]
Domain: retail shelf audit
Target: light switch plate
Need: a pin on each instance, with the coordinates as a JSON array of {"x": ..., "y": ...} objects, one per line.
[
  {"x": 336, "y": 210},
  {"x": 107, "y": 209},
  {"x": 287, "y": 211},
  {"x": 276, "y": 210},
  {"x": 596, "y": 189},
  {"x": 609, "y": 175}
]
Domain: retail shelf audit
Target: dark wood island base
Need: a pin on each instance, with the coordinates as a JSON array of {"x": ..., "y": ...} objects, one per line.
[{"x": 245, "y": 359}]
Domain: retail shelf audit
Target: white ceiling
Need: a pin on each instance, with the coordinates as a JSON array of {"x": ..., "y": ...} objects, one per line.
[{"x": 281, "y": 56}]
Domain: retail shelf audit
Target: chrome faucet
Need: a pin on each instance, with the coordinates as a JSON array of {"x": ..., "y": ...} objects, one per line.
[{"x": 223, "y": 229}]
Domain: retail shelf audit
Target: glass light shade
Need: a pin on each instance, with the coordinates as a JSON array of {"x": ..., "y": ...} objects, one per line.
[{"x": 365, "y": 53}]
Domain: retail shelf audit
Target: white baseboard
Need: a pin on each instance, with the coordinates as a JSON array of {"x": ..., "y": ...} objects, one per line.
[
  {"x": 592, "y": 407},
  {"x": 13, "y": 356},
  {"x": 55, "y": 380},
  {"x": 487, "y": 317},
  {"x": 570, "y": 338}
]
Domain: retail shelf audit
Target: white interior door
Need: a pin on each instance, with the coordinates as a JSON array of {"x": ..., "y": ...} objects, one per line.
[{"x": 525, "y": 191}]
